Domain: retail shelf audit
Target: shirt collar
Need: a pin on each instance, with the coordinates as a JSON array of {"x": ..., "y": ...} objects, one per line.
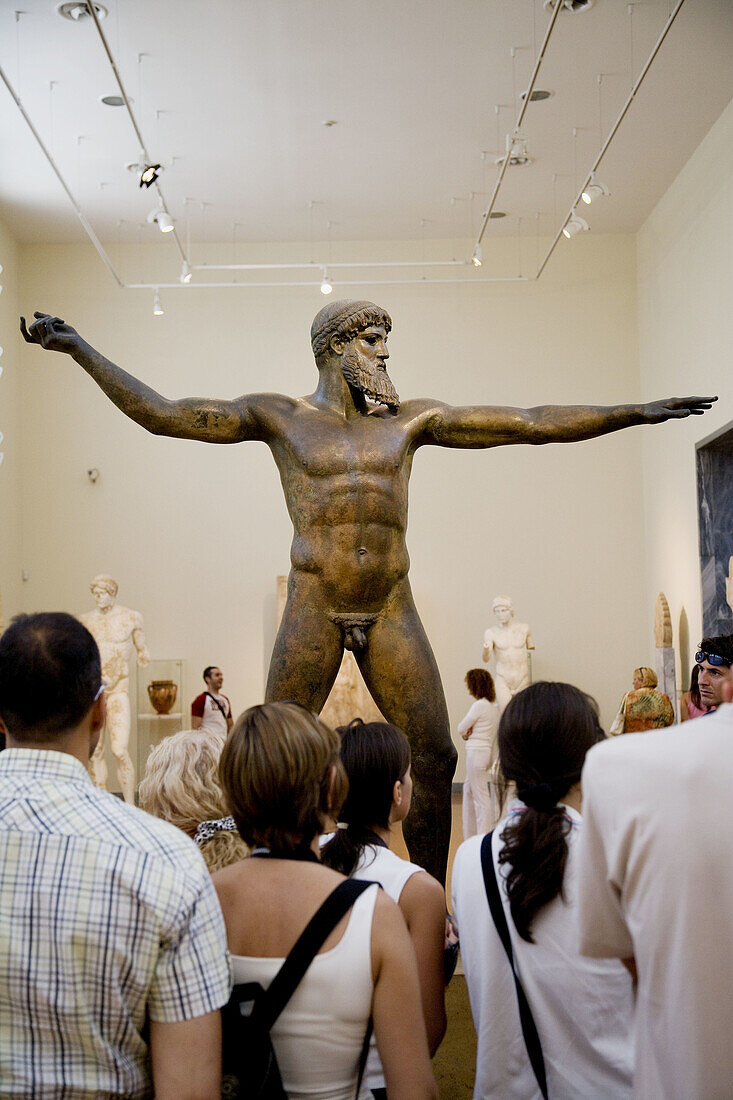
[{"x": 43, "y": 764}]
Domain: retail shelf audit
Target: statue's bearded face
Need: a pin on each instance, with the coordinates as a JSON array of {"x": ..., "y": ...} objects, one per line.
[{"x": 363, "y": 364}]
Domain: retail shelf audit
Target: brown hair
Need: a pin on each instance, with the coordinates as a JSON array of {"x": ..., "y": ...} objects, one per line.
[
  {"x": 647, "y": 676},
  {"x": 276, "y": 771},
  {"x": 480, "y": 684}
]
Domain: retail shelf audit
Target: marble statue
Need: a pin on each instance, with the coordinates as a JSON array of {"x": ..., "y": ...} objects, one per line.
[
  {"x": 509, "y": 642},
  {"x": 118, "y": 632},
  {"x": 344, "y": 454},
  {"x": 666, "y": 673}
]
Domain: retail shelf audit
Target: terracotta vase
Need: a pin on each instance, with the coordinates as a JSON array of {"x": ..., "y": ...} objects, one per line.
[{"x": 162, "y": 695}]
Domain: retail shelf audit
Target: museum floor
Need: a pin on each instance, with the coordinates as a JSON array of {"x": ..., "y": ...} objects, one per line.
[{"x": 454, "y": 1063}]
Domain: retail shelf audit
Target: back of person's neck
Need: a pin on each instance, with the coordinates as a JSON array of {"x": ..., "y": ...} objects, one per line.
[{"x": 74, "y": 743}]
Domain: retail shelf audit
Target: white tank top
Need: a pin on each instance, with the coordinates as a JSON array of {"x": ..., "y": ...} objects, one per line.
[
  {"x": 319, "y": 1035},
  {"x": 377, "y": 864}
]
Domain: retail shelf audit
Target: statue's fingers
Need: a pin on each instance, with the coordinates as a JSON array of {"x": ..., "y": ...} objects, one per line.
[{"x": 24, "y": 332}]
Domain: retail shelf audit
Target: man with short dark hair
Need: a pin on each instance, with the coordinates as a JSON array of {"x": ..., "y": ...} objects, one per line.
[
  {"x": 714, "y": 659},
  {"x": 655, "y": 883},
  {"x": 112, "y": 951},
  {"x": 212, "y": 711}
]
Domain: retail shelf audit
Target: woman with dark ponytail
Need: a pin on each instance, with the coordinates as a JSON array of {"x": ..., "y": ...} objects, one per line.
[
  {"x": 376, "y": 759},
  {"x": 582, "y": 1008}
]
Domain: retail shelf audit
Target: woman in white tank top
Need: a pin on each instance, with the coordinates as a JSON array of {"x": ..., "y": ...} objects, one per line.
[
  {"x": 281, "y": 775},
  {"x": 376, "y": 758},
  {"x": 479, "y": 729}
]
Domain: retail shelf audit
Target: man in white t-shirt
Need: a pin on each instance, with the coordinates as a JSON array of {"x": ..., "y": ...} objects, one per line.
[
  {"x": 211, "y": 710},
  {"x": 656, "y": 882}
]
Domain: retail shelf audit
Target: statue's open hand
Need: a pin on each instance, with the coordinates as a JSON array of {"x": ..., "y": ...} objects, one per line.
[
  {"x": 51, "y": 333},
  {"x": 676, "y": 408}
]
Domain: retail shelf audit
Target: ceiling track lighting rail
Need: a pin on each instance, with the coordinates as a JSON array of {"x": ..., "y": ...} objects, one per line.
[
  {"x": 313, "y": 265},
  {"x": 614, "y": 129},
  {"x": 518, "y": 124},
  {"x": 77, "y": 210},
  {"x": 148, "y": 160},
  {"x": 339, "y": 283}
]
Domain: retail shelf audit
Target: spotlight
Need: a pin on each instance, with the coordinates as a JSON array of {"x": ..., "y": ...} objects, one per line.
[
  {"x": 163, "y": 220},
  {"x": 477, "y": 259},
  {"x": 149, "y": 174},
  {"x": 158, "y": 310},
  {"x": 186, "y": 273},
  {"x": 326, "y": 286},
  {"x": 575, "y": 225},
  {"x": 594, "y": 190}
]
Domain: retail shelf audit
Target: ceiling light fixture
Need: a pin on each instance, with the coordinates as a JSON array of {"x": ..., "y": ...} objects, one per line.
[
  {"x": 77, "y": 11},
  {"x": 149, "y": 174},
  {"x": 112, "y": 101},
  {"x": 186, "y": 272},
  {"x": 594, "y": 189},
  {"x": 516, "y": 150},
  {"x": 158, "y": 310},
  {"x": 477, "y": 258},
  {"x": 574, "y": 7},
  {"x": 574, "y": 225},
  {"x": 163, "y": 220},
  {"x": 538, "y": 95},
  {"x": 326, "y": 286}
]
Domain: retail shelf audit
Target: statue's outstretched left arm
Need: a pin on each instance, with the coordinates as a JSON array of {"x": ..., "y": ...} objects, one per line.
[{"x": 484, "y": 426}]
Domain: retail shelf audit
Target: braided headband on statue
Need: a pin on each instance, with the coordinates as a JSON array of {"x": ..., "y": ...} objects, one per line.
[{"x": 207, "y": 829}]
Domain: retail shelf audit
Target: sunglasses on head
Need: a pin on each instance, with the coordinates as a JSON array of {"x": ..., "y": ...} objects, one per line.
[{"x": 712, "y": 659}]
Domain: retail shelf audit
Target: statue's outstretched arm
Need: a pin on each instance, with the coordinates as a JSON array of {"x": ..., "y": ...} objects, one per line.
[
  {"x": 209, "y": 420},
  {"x": 483, "y": 426}
]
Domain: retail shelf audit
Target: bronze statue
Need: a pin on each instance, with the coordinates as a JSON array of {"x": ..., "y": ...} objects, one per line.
[{"x": 345, "y": 454}]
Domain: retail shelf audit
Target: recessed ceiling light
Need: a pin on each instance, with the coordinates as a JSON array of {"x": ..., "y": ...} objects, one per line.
[
  {"x": 112, "y": 101},
  {"x": 77, "y": 12},
  {"x": 537, "y": 95},
  {"x": 497, "y": 214}
]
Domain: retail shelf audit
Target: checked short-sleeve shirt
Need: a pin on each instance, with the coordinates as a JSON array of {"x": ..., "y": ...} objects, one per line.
[{"x": 107, "y": 916}]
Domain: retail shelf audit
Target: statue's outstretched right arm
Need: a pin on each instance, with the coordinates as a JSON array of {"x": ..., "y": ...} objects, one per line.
[{"x": 207, "y": 419}]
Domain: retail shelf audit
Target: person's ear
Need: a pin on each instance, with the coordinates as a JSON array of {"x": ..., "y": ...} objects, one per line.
[
  {"x": 337, "y": 345},
  {"x": 99, "y": 713},
  {"x": 397, "y": 793},
  {"x": 728, "y": 687}
]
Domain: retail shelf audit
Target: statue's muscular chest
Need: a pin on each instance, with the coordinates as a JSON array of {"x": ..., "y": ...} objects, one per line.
[{"x": 324, "y": 446}]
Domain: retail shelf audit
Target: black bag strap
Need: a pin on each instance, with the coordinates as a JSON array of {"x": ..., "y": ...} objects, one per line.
[
  {"x": 529, "y": 1029},
  {"x": 307, "y": 945},
  {"x": 216, "y": 702}
]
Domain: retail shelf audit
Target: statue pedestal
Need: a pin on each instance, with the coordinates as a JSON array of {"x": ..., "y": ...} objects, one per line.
[{"x": 666, "y": 676}]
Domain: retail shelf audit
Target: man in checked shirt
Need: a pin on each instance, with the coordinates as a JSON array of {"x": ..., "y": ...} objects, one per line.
[{"x": 113, "y": 960}]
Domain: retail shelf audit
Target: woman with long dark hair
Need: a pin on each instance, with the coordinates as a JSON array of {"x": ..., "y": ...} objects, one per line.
[
  {"x": 582, "y": 1008},
  {"x": 376, "y": 759},
  {"x": 478, "y": 729}
]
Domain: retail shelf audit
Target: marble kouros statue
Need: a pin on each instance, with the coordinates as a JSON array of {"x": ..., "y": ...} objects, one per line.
[
  {"x": 509, "y": 642},
  {"x": 118, "y": 632},
  {"x": 344, "y": 454}
]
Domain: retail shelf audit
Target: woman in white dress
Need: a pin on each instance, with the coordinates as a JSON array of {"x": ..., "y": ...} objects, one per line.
[
  {"x": 376, "y": 758},
  {"x": 478, "y": 729},
  {"x": 583, "y": 1008},
  {"x": 281, "y": 774}
]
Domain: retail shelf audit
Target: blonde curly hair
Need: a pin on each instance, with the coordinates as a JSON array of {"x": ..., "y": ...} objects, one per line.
[{"x": 181, "y": 781}]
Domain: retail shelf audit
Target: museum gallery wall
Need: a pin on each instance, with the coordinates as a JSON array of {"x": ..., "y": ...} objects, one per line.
[{"x": 582, "y": 536}]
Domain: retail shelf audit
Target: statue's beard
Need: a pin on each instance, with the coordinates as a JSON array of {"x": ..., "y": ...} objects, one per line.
[{"x": 368, "y": 379}]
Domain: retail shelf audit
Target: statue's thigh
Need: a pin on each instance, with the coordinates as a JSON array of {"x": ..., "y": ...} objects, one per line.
[
  {"x": 305, "y": 658},
  {"x": 118, "y": 719},
  {"x": 401, "y": 672}
]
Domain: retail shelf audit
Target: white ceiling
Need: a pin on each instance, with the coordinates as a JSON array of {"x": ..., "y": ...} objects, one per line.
[{"x": 231, "y": 96}]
